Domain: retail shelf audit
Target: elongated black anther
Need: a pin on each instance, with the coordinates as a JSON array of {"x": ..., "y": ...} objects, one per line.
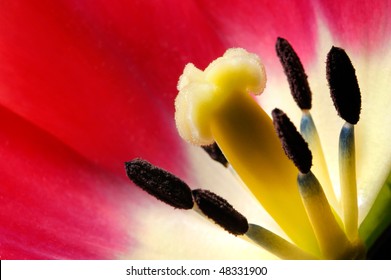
[
  {"x": 220, "y": 211},
  {"x": 292, "y": 142},
  {"x": 159, "y": 183},
  {"x": 215, "y": 153},
  {"x": 343, "y": 84},
  {"x": 295, "y": 73}
]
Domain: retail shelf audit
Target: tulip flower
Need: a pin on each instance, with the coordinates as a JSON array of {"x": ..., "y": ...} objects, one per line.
[{"x": 88, "y": 85}]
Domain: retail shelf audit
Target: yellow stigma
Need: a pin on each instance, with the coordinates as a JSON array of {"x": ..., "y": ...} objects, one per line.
[
  {"x": 201, "y": 93},
  {"x": 215, "y": 105}
]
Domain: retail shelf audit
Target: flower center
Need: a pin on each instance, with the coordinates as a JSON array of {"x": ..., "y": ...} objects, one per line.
[{"x": 215, "y": 109}]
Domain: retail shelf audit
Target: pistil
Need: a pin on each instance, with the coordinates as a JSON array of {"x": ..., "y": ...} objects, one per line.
[{"x": 219, "y": 108}]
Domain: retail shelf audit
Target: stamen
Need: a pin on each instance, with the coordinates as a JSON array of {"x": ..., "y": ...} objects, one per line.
[
  {"x": 173, "y": 191},
  {"x": 295, "y": 73},
  {"x": 159, "y": 183},
  {"x": 275, "y": 244},
  {"x": 343, "y": 84},
  {"x": 292, "y": 142},
  {"x": 301, "y": 93},
  {"x": 220, "y": 211},
  {"x": 215, "y": 153},
  {"x": 346, "y": 96},
  {"x": 332, "y": 240}
]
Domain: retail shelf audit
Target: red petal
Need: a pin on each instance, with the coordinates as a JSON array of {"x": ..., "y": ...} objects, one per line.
[
  {"x": 361, "y": 25},
  {"x": 101, "y": 76},
  {"x": 255, "y": 25},
  {"x": 54, "y": 203}
]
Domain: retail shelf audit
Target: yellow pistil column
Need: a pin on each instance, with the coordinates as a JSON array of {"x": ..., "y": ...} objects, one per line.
[{"x": 216, "y": 105}]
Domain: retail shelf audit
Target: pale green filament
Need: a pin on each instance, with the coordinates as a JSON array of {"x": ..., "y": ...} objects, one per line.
[
  {"x": 275, "y": 244},
  {"x": 310, "y": 134},
  {"x": 347, "y": 170},
  {"x": 331, "y": 238}
]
